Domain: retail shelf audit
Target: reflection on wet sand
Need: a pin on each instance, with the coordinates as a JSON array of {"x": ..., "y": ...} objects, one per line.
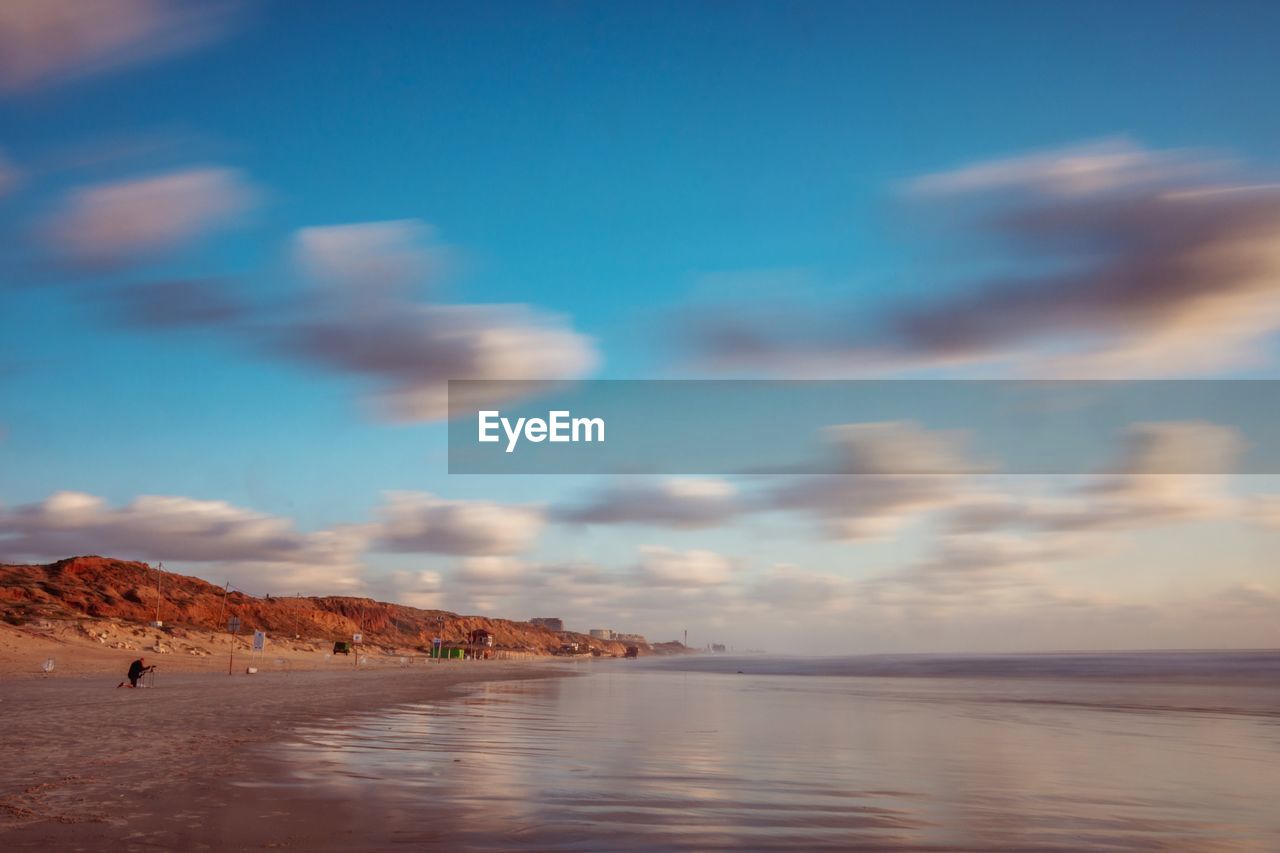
[{"x": 643, "y": 758}]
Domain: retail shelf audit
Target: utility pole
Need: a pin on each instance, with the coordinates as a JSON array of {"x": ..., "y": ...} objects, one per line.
[
  {"x": 361, "y": 633},
  {"x": 159, "y": 572},
  {"x": 234, "y": 627},
  {"x": 223, "y": 607}
]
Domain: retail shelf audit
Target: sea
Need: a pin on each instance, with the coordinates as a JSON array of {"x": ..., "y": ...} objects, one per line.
[{"x": 1110, "y": 751}]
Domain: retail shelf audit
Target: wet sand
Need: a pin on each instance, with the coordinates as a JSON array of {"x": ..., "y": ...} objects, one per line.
[
  {"x": 654, "y": 755},
  {"x": 645, "y": 757},
  {"x": 86, "y": 766}
]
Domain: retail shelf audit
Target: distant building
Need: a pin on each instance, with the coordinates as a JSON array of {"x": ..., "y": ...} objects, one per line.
[
  {"x": 479, "y": 644},
  {"x": 631, "y": 638},
  {"x": 718, "y": 648},
  {"x": 601, "y": 633},
  {"x": 552, "y": 623}
]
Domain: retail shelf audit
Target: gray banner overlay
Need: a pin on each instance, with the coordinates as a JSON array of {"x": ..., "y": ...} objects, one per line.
[{"x": 883, "y": 427}]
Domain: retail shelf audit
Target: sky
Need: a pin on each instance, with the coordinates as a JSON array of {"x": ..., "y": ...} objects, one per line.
[{"x": 244, "y": 248}]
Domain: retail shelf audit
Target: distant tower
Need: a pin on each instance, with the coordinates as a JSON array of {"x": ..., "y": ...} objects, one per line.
[{"x": 686, "y": 638}]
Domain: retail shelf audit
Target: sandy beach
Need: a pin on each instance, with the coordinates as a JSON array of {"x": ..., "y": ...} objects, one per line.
[
  {"x": 1046, "y": 752},
  {"x": 88, "y": 766}
]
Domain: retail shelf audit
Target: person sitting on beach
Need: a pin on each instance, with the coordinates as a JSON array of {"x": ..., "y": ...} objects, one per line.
[{"x": 136, "y": 669}]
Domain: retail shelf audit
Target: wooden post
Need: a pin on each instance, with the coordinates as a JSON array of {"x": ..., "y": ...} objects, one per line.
[{"x": 232, "y": 659}]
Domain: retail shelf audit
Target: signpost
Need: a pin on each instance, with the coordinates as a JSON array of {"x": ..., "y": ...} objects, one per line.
[
  {"x": 259, "y": 644},
  {"x": 355, "y": 640},
  {"x": 233, "y": 626}
]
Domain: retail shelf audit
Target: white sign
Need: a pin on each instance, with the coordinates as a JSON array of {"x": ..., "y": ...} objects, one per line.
[
  {"x": 233, "y": 624},
  {"x": 259, "y": 640},
  {"x": 357, "y": 638}
]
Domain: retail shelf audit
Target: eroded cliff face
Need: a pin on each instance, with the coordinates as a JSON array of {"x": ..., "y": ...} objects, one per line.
[{"x": 120, "y": 589}]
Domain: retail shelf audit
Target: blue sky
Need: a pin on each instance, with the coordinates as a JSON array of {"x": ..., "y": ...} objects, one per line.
[{"x": 614, "y": 166}]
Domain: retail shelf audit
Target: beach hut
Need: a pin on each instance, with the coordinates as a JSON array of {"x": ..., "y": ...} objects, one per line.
[
  {"x": 480, "y": 643},
  {"x": 444, "y": 651}
]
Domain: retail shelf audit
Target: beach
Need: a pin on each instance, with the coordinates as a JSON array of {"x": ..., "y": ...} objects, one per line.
[
  {"x": 1119, "y": 751},
  {"x": 671, "y": 756},
  {"x": 88, "y": 766}
]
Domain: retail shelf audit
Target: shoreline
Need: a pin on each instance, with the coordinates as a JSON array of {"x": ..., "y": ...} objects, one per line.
[{"x": 93, "y": 767}]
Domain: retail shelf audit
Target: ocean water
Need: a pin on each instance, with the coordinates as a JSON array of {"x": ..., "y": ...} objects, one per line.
[{"x": 1133, "y": 751}]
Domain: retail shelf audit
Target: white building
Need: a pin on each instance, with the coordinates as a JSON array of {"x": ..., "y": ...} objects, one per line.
[{"x": 601, "y": 633}]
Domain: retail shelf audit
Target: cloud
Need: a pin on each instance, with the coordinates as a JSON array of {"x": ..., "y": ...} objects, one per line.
[
  {"x": 1140, "y": 496},
  {"x": 787, "y": 589},
  {"x": 664, "y": 567},
  {"x": 1133, "y": 263},
  {"x": 360, "y": 320},
  {"x": 975, "y": 565},
  {"x": 10, "y": 176},
  {"x": 491, "y": 571},
  {"x": 1081, "y": 170},
  {"x": 418, "y": 522},
  {"x": 259, "y": 547},
  {"x": 178, "y": 304},
  {"x": 863, "y": 507},
  {"x": 685, "y": 503},
  {"x": 367, "y": 255},
  {"x": 48, "y": 41},
  {"x": 897, "y": 447},
  {"x": 363, "y": 324},
  {"x": 412, "y": 350},
  {"x": 1163, "y": 447},
  {"x": 1248, "y": 597},
  {"x": 113, "y": 223},
  {"x": 872, "y": 496},
  {"x": 425, "y": 589}
]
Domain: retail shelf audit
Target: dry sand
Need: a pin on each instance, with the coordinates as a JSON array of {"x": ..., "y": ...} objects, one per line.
[
  {"x": 81, "y": 647},
  {"x": 87, "y": 766}
]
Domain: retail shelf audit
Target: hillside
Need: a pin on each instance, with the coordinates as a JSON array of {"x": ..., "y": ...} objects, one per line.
[{"x": 108, "y": 589}]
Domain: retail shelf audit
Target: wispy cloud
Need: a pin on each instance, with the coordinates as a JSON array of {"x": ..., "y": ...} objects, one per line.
[
  {"x": 174, "y": 304},
  {"x": 51, "y": 41},
  {"x": 411, "y": 350},
  {"x": 109, "y": 224},
  {"x": 368, "y": 259},
  {"x": 662, "y": 567},
  {"x": 1144, "y": 495},
  {"x": 419, "y": 522},
  {"x": 684, "y": 503},
  {"x": 1137, "y": 263},
  {"x": 365, "y": 323},
  {"x": 10, "y": 176},
  {"x": 873, "y": 491}
]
